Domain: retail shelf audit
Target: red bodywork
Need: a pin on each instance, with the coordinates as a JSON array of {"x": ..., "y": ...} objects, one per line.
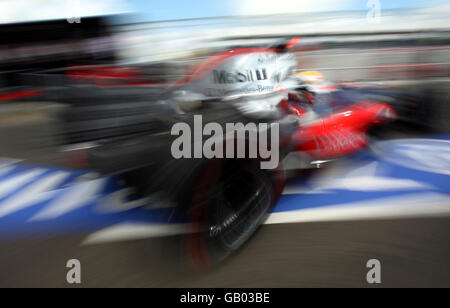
[{"x": 340, "y": 133}]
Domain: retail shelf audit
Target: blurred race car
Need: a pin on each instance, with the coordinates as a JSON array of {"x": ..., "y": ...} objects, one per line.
[{"x": 130, "y": 131}]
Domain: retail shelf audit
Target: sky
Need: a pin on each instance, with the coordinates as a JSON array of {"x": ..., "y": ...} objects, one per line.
[
  {"x": 157, "y": 10},
  {"x": 179, "y": 9}
]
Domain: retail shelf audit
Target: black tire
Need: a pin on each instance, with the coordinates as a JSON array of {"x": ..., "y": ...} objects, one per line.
[{"x": 228, "y": 205}]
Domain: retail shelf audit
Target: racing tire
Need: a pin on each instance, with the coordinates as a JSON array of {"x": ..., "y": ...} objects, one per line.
[{"x": 229, "y": 203}]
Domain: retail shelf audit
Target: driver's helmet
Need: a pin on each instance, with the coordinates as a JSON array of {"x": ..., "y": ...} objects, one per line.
[
  {"x": 241, "y": 75},
  {"x": 311, "y": 83},
  {"x": 310, "y": 77}
]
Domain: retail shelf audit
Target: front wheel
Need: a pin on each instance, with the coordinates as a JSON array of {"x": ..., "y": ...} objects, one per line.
[{"x": 230, "y": 202}]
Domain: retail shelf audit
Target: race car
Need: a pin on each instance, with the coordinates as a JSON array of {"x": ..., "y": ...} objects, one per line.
[{"x": 133, "y": 132}]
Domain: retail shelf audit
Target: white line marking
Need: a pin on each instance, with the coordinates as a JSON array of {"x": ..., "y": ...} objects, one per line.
[
  {"x": 430, "y": 155},
  {"x": 6, "y": 169},
  {"x": 75, "y": 198},
  {"x": 364, "y": 170},
  {"x": 134, "y": 231},
  {"x": 416, "y": 205},
  {"x": 362, "y": 183},
  {"x": 116, "y": 201},
  {"x": 36, "y": 192},
  {"x": 10, "y": 184},
  {"x": 8, "y": 161}
]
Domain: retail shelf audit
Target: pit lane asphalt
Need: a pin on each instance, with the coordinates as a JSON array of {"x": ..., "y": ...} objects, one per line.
[{"x": 412, "y": 252}]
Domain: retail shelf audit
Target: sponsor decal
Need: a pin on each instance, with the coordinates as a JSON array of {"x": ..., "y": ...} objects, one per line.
[
  {"x": 252, "y": 89},
  {"x": 225, "y": 77}
]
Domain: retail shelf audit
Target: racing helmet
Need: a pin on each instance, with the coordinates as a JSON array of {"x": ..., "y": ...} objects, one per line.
[
  {"x": 310, "y": 77},
  {"x": 311, "y": 83}
]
